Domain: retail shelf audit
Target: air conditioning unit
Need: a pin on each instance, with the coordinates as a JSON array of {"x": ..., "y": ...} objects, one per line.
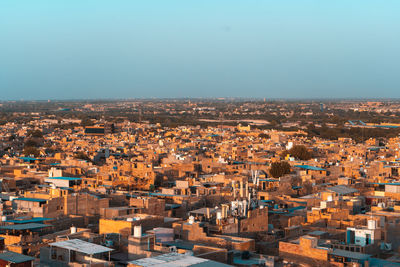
[
  {"x": 386, "y": 246},
  {"x": 109, "y": 243}
]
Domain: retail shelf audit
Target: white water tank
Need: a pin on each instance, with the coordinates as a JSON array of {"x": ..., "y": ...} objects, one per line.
[
  {"x": 191, "y": 219},
  {"x": 381, "y": 205},
  {"x": 73, "y": 229},
  {"x": 219, "y": 215},
  {"x": 371, "y": 224},
  {"x": 137, "y": 231},
  {"x": 289, "y": 145}
]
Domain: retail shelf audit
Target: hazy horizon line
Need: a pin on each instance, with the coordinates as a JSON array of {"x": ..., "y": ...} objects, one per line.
[{"x": 266, "y": 99}]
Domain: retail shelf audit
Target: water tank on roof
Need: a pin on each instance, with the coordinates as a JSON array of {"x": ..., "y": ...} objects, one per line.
[
  {"x": 371, "y": 224},
  {"x": 191, "y": 219},
  {"x": 137, "y": 231},
  {"x": 73, "y": 230}
]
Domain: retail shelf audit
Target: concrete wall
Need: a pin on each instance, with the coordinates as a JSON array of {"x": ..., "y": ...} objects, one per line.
[
  {"x": 84, "y": 204},
  {"x": 305, "y": 248},
  {"x": 194, "y": 232},
  {"x": 257, "y": 221},
  {"x": 211, "y": 253},
  {"x": 58, "y": 182}
]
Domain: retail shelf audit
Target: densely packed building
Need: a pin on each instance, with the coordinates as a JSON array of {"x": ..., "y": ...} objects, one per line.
[{"x": 140, "y": 194}]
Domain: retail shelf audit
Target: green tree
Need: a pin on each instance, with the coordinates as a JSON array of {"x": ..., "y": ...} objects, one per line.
[
  {"x": 31, "y": 143},
  {"x": 29, "y": 150},
  {"x": 279, "y": 169},
  {"x": 307, "y": 188},
  {"x": 300, "y": 152},
  {"x": 35, "y": 133},
  {"x": 86, "y": 122}
]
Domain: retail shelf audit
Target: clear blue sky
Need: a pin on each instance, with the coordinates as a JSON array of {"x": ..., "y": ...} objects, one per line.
[{"x": 199, "y": 48}]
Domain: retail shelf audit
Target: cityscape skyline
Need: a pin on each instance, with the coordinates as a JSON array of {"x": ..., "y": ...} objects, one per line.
[{"x": 199, "y": 133}]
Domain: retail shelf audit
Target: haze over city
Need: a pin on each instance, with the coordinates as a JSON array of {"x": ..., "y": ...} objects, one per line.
[{"x": 128, "y": 49}]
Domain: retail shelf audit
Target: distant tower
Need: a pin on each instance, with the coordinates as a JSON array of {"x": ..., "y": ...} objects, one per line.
[
  {"x": 140, "y": 114},
  {"x": 221, "y": 119},
  {"x": 322, "y": 107}
]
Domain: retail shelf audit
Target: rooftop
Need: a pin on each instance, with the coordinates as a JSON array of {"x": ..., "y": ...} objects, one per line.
[
  {"x": 203, "y": 211},
  {"x": 65, "y": 178},
  {"x": 177, "y": 260},
  {"x": 342, "y": 189},
  {"x": 29, "y": 159},
  {"x": 24, "y": 226},
  {"x": 81, "y": 246},
  {"x": 350, "y": 254},
  {"x": 316, "y": 233},
  {"x": 15, "y": 257},
  {"x": 308, "y": 167},
  {"x": 31, "y": 199},
  {"x": 32, "y": 220}
]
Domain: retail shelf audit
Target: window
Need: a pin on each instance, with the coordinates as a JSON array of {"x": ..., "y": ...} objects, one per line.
[
  {"x": 53, "y": 254},
  {"x": 367, "y": 239}
]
